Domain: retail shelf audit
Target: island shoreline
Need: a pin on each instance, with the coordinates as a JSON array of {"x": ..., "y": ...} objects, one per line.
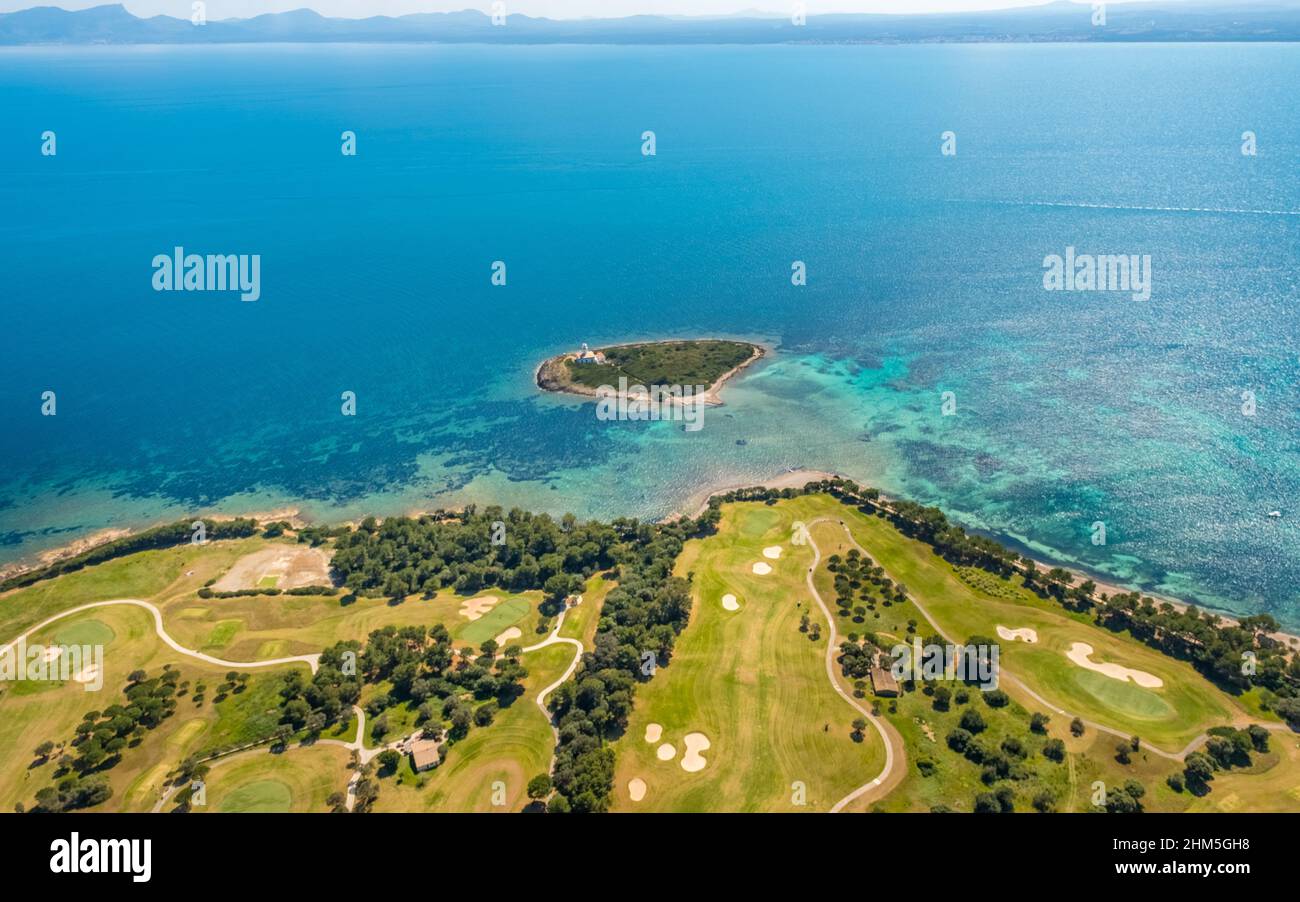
[{"x": 710, "y": 396}]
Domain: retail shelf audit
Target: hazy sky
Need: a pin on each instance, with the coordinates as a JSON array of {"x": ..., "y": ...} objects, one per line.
[{"x": 225, "y": 9}]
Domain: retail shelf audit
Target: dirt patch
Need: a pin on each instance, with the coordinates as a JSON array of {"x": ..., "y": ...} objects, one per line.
[{"x": 280, "y": 566}]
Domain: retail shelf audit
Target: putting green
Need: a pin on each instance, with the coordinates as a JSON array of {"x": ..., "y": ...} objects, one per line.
[
  {"x": 492, "y": 624},
  {"x": 85, "y": 632},
  {"x": 258, "y": 797},
  {"x": 1123, "y": 697},
  {"x": 758, "y": 520}
]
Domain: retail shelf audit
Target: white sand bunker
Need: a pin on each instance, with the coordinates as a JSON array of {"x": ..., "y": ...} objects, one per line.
[
  {"x": 504, "y": 639},
  {"x": 772, "y": 552},
  {"x": 87, "y": 674},
  {"x": 1080, "y": 652},
  {"x": 762, "y": 569},
  {"x": 695, "y": 743},
  {"x": 1024, "y": 634},
  {"x": 474, "y": 608},
  {"x": 729, "y": 602},
  {"x": 636, "y": 789},
  {"x": 666, "y": 752},
  {"x": 652, "y": 732}
]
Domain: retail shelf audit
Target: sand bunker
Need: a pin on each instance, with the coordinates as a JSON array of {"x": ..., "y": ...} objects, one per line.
[
  {"x": 636, "y": 789},
  {"x": 666, "y": 752},
  {"x": 1080, "y": 652},
  {"x": 504, "y": 639},
  {"x": 729, "y": 602},
  {"x": 695, "y": 743},
  {"x": 772, "y": 552},
  {"x": 762, "y": 569},
  {"x": 652, "y": 732},
  {"x": 1024, "y": 634},
  {"x": 474, "y": 608},
  {"x": 280, "y": 567},
  {"x": 87, "y": 674}
]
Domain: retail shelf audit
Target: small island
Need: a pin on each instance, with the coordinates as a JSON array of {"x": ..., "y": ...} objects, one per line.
[{"x": 707, "y": 362}]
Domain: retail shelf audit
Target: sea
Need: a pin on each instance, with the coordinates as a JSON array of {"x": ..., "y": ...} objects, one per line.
[{"x": 923, "y": 189}]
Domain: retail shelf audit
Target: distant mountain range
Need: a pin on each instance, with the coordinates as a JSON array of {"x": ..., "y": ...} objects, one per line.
[{"x": 1221, "y": 20}]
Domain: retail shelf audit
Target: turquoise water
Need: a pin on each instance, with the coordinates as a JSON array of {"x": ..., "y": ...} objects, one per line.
[{"x": 925, "y": 276}]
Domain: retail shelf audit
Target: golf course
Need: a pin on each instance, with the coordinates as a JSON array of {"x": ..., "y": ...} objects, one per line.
[{"x": 734, "y": 663}]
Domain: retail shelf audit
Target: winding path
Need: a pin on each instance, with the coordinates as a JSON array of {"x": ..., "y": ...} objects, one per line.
[
  {"x": 312, "y": 661},
  {"x": 894, "y": 748},
  {"x": 357, "y": 745},
  {"x": 556, "y": 639},
  {"x": 1003, "y": 673}
]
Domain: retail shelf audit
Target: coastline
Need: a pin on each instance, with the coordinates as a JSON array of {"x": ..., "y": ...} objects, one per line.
[
  {"x": 711, "y": 396},
  {"x": 696, "y": 504},
  {"x": 1105, "y": 585}
]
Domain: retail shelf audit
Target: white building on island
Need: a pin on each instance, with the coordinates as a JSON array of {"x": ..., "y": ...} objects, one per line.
[{"x": 587, "y": 355}]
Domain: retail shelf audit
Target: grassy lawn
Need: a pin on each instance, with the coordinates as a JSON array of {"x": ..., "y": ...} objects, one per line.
[
  {"x": 149, "y": 575},
  {"x": 33, "y": 713},
  {"x": 751, "y": 682},
  {"x": 1185, "y": 706},
  {"x": 581, "y": 621},
  {"x": 515, "y": 748},
  {"x": 300, "y": 778},
  {"x": 948, "y": 778},
  {"x": 277, "y": 625}
]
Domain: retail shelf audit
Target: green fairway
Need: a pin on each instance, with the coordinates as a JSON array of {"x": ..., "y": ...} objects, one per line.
[
  {"x": 258, "y": 796},
  {"x": 744, "y": 713},
  {"x": 505, "y": 614},
  {"x": 751, "y": 682},
  {"x": 152, "y": 575},
  {"x": 1171, "y": 716},
  {"x": 304, "y": 624}
]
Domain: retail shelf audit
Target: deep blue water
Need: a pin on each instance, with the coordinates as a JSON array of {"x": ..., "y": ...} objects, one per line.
[{"x": 925, "y": 275}]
